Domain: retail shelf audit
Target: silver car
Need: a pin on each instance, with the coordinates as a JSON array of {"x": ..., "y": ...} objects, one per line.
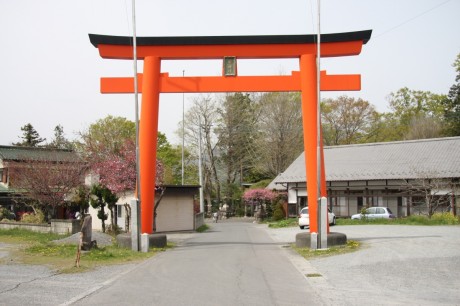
[{"x": 375, "y": 213}]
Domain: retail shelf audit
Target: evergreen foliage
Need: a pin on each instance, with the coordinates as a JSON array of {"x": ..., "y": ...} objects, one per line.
[
  {"x": 101, "y": 197},
  {"x": 452, "y": 104},
  {"x": 30, "y": 137}
]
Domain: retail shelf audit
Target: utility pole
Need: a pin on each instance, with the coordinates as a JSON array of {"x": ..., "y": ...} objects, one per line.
[{"x": 200, "y": 173}]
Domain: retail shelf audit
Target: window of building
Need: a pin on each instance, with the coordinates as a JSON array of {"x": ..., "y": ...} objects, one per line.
[
  {"x": 120, "y": 211},
  {"x": 303, "y": 201},
  {"x": 360, "y": 203},
  {"x": 292, "y": 210},
  {"x": 3, "y": 175}
]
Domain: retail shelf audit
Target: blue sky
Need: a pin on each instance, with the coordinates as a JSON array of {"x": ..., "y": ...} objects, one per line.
[{"x": 49, "y": 72}]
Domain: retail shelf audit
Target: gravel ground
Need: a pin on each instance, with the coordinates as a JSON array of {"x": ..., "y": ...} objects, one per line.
[{"x": 396, "y": 265}]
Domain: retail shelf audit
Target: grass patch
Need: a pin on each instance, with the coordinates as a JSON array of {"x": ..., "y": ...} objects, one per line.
[
  {"x": 38, "y": 249},
  {"x": 313, "y": 275},
  {"x": 308, "y": 253},
  {"x": 62, "y": 257},
  {"x": 202, "y": 228},
  {"x": 437, "y": 219},
  {"x": 18, "y": 235},
  {"x": 347, "y": 221},
  {"x": 291, "y": 222}
]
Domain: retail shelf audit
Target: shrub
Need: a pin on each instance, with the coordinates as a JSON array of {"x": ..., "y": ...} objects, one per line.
[
  {"x": 36, "y": 218},
  {"x": 445, "y": 218},
  {"x": 6, "y": 220},
  {"x": 239, "y": 212},
  {"x": 278, "y": 213},
  {"x": 202, "y": 228},
  {"x": 114, "y": 230},
  {"x": 416, "y": 220},
  {"x": 261, "y": 184},
  {"x": 6, "y": 214}
]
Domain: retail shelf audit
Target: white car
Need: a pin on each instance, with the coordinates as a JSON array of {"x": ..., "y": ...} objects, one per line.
[
  {"x": 375, "y": 213},
  {"x": 304, "y": 218}
]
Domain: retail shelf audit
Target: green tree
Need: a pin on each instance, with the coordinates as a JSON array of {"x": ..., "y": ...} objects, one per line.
[
  {"x": 107, "y": 136},
  {"x": 30, "y": 137},
  {"x": 236, "y": 135},
  {"x": 80, "y": 199},
  {"x": 280, "y": 133},
  {"x": 171, "y": 157},
  {"x": 101, "y": 197},
  {"x": 419, "y": 113},
  {"x": 60, "y": 141},
  {"x": 348, "y": 120},
  {"x": 385, "y": 128},
  {"x": 452, "y": 104}
]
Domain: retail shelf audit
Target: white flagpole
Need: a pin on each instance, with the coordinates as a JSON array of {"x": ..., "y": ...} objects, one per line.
[
  {"x": 318, "y": 124},
  {"x": 136, "y": 106}
]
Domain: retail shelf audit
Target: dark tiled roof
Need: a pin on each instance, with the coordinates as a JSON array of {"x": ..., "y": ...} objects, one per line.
[
  {"x": 433, "y": 158},
  {"x": 14, "y": 153}
]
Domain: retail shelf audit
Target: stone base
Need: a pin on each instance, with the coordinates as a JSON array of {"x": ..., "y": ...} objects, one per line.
[
  {"x": 303, "y": 240},
  {"x": 155, "y": 240}
]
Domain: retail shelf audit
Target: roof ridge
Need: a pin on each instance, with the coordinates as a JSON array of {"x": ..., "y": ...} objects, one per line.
[
  {"x": 373, "y": 144},
  {"x": 34, "y": 148}
]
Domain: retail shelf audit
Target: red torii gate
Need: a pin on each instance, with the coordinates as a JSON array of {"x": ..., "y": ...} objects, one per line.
[{"x": 152, "y": 82}]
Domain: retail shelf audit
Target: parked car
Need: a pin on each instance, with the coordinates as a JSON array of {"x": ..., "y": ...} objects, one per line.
[
  {"x": 304, "y": 218},
  {"x": 374, "y": 213}
]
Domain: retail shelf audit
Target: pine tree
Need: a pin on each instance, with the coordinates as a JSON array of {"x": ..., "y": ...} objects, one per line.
[
  {"x": 452, "y": 104},
  {"x": 30, "y": 137},
  {"x": 59, "y": 141}
]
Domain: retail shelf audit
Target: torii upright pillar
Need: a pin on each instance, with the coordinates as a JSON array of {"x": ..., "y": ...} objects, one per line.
[
  {"x": 152, "y": 82},
  {"x": 308, "y": 76},
  {"x": 148, "y": 134}
]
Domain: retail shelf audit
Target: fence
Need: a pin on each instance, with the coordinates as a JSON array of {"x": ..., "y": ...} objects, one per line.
[
  {"x": 62, "y": 227},
  {"x": 199, "y": 220}
]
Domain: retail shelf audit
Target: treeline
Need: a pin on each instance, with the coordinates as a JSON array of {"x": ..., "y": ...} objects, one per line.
[{"x": 247, "y": 138}]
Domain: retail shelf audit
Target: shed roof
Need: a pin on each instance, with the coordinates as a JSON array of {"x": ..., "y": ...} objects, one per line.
[{"x": 433, "y": 158}]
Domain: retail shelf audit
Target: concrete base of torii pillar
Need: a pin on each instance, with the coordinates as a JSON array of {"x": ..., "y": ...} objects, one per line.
[{"x": 303, "y": 240}]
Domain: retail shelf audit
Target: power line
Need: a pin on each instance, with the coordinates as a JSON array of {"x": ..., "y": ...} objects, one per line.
[{"x": 411, "y": 19}]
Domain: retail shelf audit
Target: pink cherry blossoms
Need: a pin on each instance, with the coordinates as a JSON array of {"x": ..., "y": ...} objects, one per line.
[
  {"x": 118, "y": 171},
  {"x": 258, "y": 196}
]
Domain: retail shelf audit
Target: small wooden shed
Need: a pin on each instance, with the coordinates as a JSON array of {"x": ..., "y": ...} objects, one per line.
[{"x": 176, "y": 211}]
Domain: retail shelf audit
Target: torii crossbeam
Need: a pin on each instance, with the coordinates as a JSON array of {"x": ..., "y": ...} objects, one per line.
[{"x": 152, "y": 82}]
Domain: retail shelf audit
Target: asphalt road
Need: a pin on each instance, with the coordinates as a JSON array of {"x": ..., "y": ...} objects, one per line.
[
  {"x": 248, "y": 264},
  {"x": 232, "y": 264}
]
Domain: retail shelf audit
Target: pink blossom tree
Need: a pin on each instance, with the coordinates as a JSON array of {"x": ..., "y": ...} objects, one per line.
[
  {"x": 258, "y": 197},
  {"x": 117, "y": 172}
]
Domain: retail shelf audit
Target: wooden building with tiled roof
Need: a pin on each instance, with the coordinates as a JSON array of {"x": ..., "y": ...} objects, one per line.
[
  {"x": 380, "y": 174},
  {"x": 14, "y": 155}
]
